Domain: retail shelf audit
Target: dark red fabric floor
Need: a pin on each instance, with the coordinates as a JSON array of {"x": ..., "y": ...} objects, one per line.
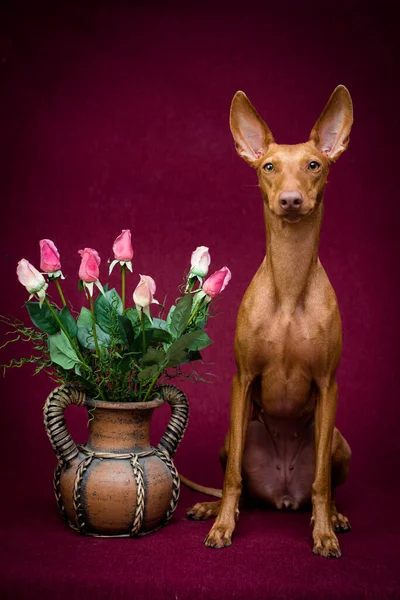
[{"x": 115, "y": 115}]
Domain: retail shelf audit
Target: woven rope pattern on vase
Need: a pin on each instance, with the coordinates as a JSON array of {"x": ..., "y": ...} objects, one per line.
[{"x": 66, "y": 451}]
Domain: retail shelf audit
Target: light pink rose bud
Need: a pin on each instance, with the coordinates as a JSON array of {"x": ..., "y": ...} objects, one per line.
[
  {"x": 49, "y": 257},
  {"x": 217, "y": 282},
  {"x": 143, "y": 295},
  {"x": 89, "y": 269},
  {"x": 122, "y": 247},
  {"x": 200, "y": 261},
  {"x": 30, "y": 277}
]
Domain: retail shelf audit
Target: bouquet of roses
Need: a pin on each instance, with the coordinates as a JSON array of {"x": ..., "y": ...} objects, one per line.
[{"x": 111, "y": 350}]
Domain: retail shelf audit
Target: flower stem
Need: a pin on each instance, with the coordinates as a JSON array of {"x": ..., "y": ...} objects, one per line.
[
  {"x": 58, "y": 284},
  {"x": 194, "y": 313},
  {"x": 153, "y": 382},
  {"x": 143, "y": 334},
  {"x": 96, "y": 341},
  {"x": 123, "y": 269},
  {"x": 143, "y": 349},
  {"x": 191, "y": 282}
]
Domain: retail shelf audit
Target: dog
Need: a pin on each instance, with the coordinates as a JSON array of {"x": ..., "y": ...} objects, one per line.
[{"x": 282, "y": 447}]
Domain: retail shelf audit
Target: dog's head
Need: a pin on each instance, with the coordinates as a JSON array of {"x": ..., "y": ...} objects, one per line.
[{"x": 292, "y": 178}]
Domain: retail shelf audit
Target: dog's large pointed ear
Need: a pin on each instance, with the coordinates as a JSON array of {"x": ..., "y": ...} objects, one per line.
[
  {"x": 252, "y": 136},
  {"x": 332, "y": 130}
]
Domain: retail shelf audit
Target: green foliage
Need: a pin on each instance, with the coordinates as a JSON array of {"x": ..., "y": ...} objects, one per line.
[
  {"x": 134, "y": 354},
  {"x": 127, "y": 331},
  {"x": 133, "y": 315},
  {"x": 200, "y": 341},
  {"x": 177, "y": 352},
  {"x": 62, "y": 351},
  {"x": 154, "y": 357},
  {"x": 123, "y": 364},
  {"x": 105, "y": 305},
  {"x": 85, "y": 317},
  {"x": 181, "y": 316},
  {"x": 148, "y": 373},
  {"x": 42, "y": 317},
  {"x": 162, "y": 336},
  {"x": 69, "y": 322},
  {"x": 86, "y": 338}
]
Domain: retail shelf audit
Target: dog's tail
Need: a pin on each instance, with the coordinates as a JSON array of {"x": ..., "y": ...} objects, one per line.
[{"x": 201, "y": 488}]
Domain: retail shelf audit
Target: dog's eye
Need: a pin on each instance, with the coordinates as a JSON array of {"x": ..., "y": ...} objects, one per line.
[
  {"x": 314, "y": 165},
  {"x": 269, "y": 167}
]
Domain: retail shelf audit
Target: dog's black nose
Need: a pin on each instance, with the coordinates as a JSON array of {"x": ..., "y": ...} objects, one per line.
[{"x": 290, "y": 200}]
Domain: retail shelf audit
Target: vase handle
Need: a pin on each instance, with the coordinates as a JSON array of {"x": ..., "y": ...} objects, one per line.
[
  {"x": 54, "y": 422},
  {"x": 178, "y": 421}
]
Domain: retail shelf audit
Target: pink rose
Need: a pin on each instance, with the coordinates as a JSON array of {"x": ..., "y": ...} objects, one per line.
[
  {"x": 122, "y": 247},
  {"x": 89, "y": 269},
  {"x": 200, "y": 261},
  {"x": 30, "y": 277},
  {"x": 143, "y": 295},
  {"x": 49, "y": 257},
  {"x": 217, "y": 282}
]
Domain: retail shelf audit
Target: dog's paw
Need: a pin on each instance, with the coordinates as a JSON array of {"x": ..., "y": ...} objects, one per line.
[
  {"x": 203, "y": 510},
  {"x": 219, "y": 536},
  {"x": 326, "y": 544},
  {"x": 340, "y": 523}
]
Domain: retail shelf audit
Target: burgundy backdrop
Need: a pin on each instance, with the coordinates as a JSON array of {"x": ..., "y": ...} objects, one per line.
[{"x": 115, "y": 115}]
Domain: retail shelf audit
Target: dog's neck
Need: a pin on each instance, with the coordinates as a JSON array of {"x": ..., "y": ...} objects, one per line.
[{"x": 292, "y": 256}]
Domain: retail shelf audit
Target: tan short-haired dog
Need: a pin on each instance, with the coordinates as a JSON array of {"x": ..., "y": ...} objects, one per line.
[{"x": 282, "y": 440}]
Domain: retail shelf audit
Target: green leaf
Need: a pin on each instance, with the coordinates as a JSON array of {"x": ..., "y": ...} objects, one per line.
[
  {"x": 170, "y": 314},
  {"x": 123, "y": 365},
  {"x": 137, "y": 344},
  {"x": 153, "y": 357},
  {"x": 160, "y": 324},
  {"x": 160, "y": 336},
  {"x": 176, "y": 353},
  {"x": 126, "y": 331},
  {"x": 148, "y": 373},
  {"x": 77, "y": 369},
  {"x": 114, "y": 299},
  {"x": 202, "y": 341},
  {"x": 42, "y": 317},
  {"x": 133, "y": 315},
  {"x": 85, "y": 337},
  {"x": 62, "y": 351},
  {"x": 104, "y": 308},
  {"x": 69, "y": 322},
  {"x": 181, "y": 316},
  {"x": 85, "y": 318}
]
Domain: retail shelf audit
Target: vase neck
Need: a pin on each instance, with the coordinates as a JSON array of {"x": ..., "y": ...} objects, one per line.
[{"x": 119, "y": 430}]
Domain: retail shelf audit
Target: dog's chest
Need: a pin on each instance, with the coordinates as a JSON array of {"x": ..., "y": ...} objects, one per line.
[{"x": 290, "y": 351}]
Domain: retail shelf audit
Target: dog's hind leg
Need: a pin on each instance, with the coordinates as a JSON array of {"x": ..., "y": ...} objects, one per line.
[{"x": 204, "y": 510}]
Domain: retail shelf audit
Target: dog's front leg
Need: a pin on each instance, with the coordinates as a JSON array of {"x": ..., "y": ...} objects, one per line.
[
  {"x": 325, "y": 540},
  {"x": 220, "y": 534}
]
